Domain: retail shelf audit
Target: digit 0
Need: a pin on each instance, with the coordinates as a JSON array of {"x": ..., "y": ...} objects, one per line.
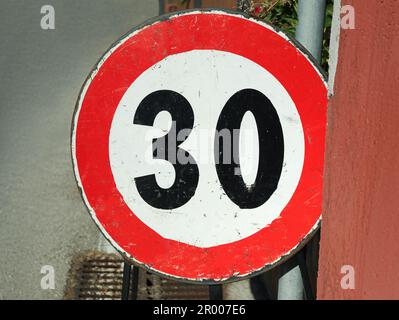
[{"x": 271, "y": 149}]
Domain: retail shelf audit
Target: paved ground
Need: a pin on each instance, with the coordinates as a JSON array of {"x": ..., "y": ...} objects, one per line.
[{"x": 42, "y": 218}]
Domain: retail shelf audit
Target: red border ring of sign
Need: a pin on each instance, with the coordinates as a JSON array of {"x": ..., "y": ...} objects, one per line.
[{"x": 90, "y": 156}]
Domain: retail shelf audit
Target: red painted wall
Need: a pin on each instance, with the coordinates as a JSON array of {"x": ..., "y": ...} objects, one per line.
[{"x": 361, "y": 200}]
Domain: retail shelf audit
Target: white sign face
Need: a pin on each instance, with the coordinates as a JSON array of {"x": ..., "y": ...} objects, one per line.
[
  {"x": 207, "y": 79},
  {"x": 200, "y": 156}
]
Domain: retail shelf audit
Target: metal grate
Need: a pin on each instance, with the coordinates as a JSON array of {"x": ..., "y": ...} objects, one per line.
[
  {"x": 95, "y": 276},
  {"x": 152, "y": 287},
  {"x": 98, "y": 276}
]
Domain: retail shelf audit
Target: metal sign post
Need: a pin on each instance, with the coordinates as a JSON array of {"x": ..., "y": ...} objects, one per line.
[{"x": 309, "y": 32}]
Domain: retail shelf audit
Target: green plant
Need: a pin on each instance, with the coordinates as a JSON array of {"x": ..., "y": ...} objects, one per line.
[{"x": 281, "y": 13}]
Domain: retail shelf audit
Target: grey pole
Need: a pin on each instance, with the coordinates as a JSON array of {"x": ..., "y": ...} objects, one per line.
[
  {"x": 310, "y": 28},
  {"x": 309, "y": 32},
  {"x": 290, "y": 285}
]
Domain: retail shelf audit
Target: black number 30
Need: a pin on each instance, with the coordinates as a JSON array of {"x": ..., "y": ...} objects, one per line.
[{"x": 271, "y": 149}]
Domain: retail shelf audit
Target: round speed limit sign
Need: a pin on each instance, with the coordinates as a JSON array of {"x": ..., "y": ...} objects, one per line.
[{"x": 198, "y": 145}]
